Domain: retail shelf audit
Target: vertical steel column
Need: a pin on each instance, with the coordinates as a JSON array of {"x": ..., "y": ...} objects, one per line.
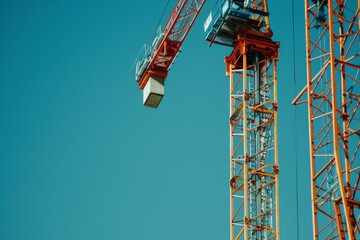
[
  {"x": 276, "y": 152},
  {"x": 232, "y": 162},
  {"x": 336, "y": 139},
  {"x": 245, "y": 99},
  {"x": 257, "y": 134},
  {"x": 311, "y": 127}
]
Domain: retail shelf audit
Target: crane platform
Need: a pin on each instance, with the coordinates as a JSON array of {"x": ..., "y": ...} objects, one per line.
[{"x": 228, "y": 18}]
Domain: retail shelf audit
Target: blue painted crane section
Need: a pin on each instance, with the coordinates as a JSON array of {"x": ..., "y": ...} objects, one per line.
[{"x": 224, "y": 22}]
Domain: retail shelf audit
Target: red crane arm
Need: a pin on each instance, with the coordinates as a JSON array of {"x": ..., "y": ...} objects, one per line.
[{"x": 174, "y": 33}]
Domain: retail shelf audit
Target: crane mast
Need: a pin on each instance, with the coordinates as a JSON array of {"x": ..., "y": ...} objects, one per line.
[
  {"x": 333, "y": 100},
  {"x": 254, "y": 196},
  {"x": 252, "y": 71}
]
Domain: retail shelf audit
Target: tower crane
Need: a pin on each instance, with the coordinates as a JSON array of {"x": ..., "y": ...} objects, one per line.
[
  {"x": 243, "y": 26},
  {"x": 332, "y": 96}
]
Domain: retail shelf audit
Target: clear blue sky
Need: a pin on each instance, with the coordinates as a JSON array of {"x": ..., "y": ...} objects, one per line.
[{"x": 81, "y": 158}]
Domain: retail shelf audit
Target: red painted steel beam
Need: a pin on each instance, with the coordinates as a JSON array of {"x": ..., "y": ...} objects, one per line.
[{"x": 175, "y": 31}]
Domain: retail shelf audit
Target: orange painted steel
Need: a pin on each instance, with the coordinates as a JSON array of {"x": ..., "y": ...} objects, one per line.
[
  {"x": 252, "y": 69},
  {"x": 175, "y": 31},
  {"x": 254, "y": 168},
  {"x": 332, "y": 95}
]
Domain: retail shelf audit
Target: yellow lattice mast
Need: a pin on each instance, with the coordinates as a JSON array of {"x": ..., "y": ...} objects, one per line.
[
  {"x": 251, "y": 68},
  {"x": 332, "y": 94}
]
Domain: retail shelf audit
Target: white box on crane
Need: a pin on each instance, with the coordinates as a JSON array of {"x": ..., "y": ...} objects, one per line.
[{"x": 153, "y": 91}]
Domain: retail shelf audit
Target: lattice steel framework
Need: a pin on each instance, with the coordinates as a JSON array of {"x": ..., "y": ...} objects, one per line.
[
  {"x": 173, "y": 35},
  {"x": 254, "y": 206},
  {"x": 332, "y": 94}
]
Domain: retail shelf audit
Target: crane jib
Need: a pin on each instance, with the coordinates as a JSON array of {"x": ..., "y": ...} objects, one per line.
[{"x": 165, "y": 48}]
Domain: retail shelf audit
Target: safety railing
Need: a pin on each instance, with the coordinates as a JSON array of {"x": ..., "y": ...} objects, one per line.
[{"x": 146, "y": 54}]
